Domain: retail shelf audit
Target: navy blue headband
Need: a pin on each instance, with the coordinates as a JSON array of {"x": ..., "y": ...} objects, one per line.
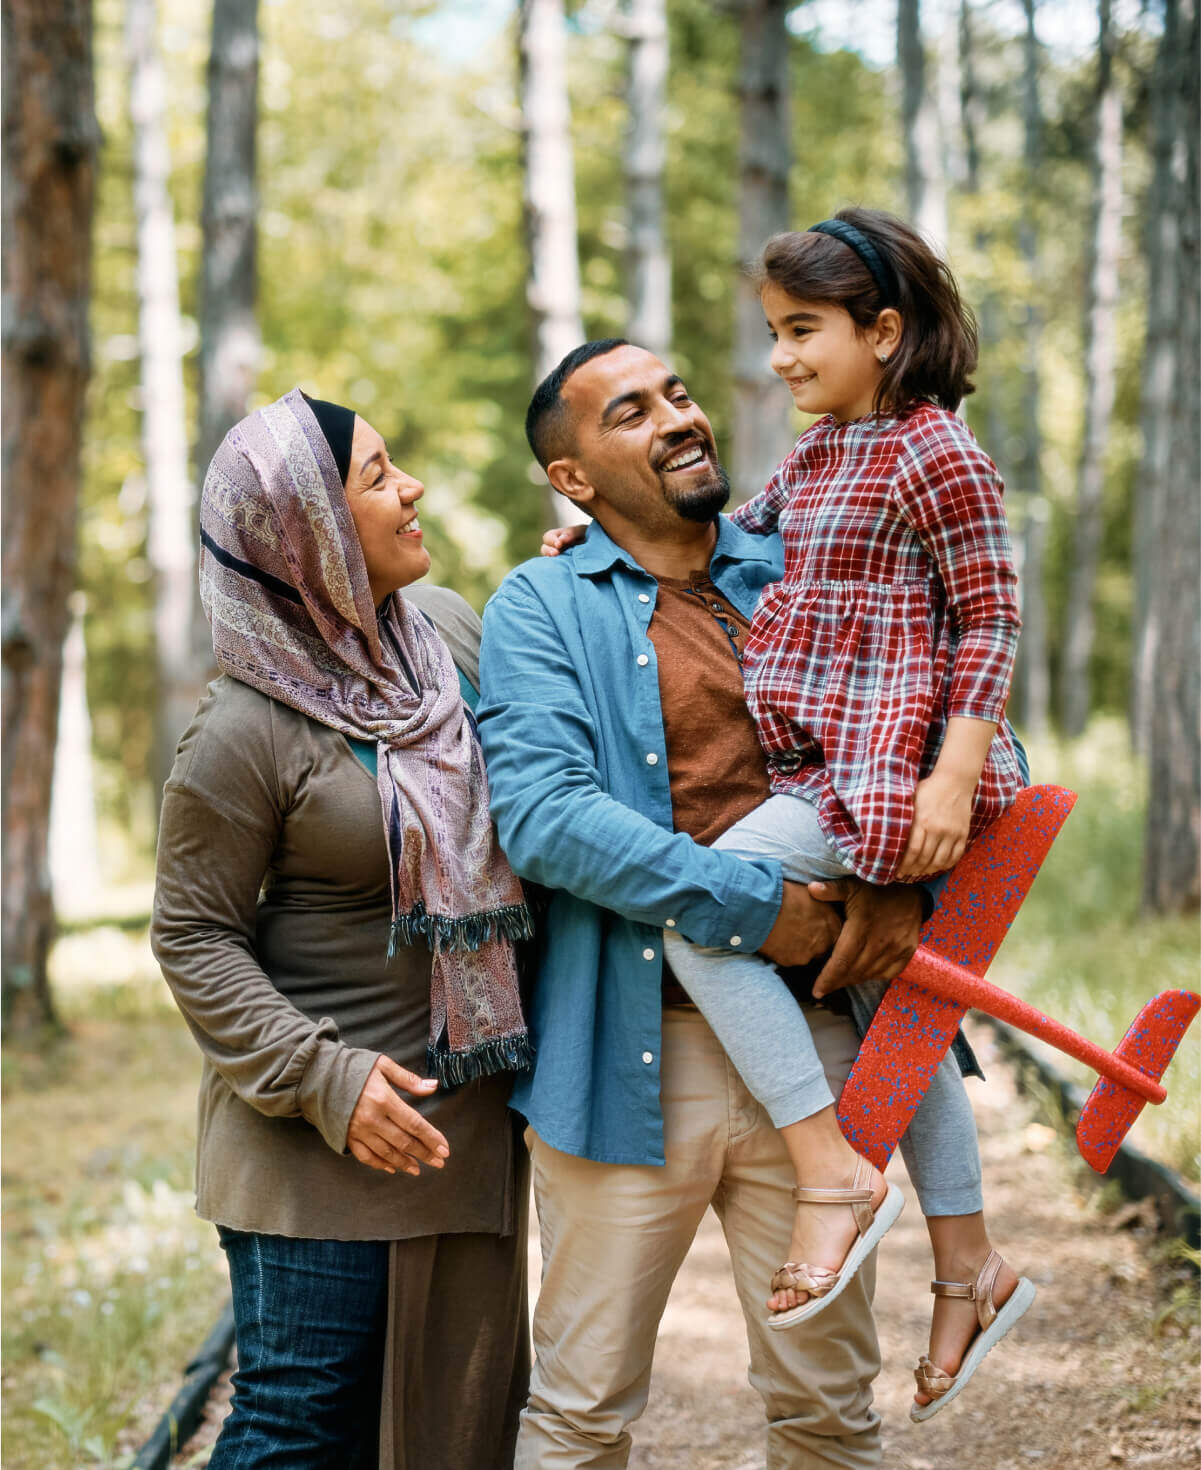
[{"x": 868, "y": 252}]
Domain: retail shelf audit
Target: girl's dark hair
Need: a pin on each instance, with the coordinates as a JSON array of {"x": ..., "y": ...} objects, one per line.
[{"x": 938, "y": 348}]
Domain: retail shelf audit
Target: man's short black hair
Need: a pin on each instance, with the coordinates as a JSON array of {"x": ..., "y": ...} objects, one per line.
[{"x": 545, "y": 419}]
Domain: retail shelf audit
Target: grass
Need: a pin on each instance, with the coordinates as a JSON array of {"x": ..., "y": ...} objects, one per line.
[
  {"x": 1080, "y": 948},
  {"x": 110, "y": 1282}
]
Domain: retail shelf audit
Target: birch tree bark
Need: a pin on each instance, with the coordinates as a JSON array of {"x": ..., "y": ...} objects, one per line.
[
  {"x": 1162, "y": 245},
  {"x": 763, "y": 426},
  {"x": 1172, "y": 860},
  {"x": 1100, "y": 355},
  {"x": 229, "y": 334},
  {"x": 972, "y": 123},
  {"x": 925, "y": 183},
  {"x": 50, "y": 147},
  {"x": 646, "y": 151},
  {"x": 171, "y": 543},
  {"x": 553, "y": 282},
  {"x": 1032, "y": 680},
  {"x": 74, "y": 846}
]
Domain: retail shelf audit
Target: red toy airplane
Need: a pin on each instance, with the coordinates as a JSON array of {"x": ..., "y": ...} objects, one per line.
[{"x": 922, "y": 1009}]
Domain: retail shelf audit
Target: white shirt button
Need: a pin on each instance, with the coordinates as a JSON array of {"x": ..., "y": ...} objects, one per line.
[
  {"x": 648, "y": 1057},
  {"x": 652, "y": 759},
  {"x": 644, "y": 597},
  {"x": 735, "y": 940},
  {"x": 648, "y": 954},
  {"x": 671, "y": 923},
  {"x": 643, "y": 660}
]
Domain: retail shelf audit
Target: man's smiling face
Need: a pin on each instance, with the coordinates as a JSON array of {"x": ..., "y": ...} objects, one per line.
[{"x": 641, "y": 443}]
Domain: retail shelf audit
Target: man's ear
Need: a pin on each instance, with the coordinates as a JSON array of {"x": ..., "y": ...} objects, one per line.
[{"x": 566, "y": 476}]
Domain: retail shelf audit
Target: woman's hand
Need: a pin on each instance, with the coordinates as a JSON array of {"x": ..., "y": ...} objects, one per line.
[
  {"x": 942, "y": 815},
  {"x": 562, "y": 538},
  {"x": 386, "y": 1133}
]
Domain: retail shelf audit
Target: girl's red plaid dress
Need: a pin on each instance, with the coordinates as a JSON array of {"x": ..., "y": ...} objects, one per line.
[{"x": 897, "y": 610}]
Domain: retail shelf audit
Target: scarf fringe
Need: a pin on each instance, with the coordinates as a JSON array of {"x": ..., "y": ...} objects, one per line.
[
  {"x": 470, "y": 931},
  {"x": 505, "y": 1054}
]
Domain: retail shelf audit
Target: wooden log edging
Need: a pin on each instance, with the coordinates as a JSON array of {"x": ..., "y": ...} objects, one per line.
[
  {"x": 186, "y": 1410},
  {"x": 1137, "y": 1174}
]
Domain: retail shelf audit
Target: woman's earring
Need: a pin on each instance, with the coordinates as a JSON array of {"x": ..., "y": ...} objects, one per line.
[{"x": 883, "y": 358}]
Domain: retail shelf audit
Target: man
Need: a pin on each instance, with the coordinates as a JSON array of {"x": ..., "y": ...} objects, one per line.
[{"x": 618, "y": 746}]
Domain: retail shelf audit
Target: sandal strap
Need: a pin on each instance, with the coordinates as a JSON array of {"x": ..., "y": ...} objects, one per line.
[
  {"x": 979, "y": 1291},
  {"x": 858, "y": 1197},
  {"x": 931, "y": 1379},
  {"x": 859, "y": 1201},
  {"x": 816, "y": 1280}
]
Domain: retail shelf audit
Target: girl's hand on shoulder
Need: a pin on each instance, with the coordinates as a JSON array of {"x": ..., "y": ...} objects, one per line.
[
  {"x": 562, "y": 538},
  {"x": 386, "y": 1133},
  {"x": 942, "y": 815}
]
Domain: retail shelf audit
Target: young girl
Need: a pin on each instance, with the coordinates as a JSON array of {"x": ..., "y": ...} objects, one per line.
[{"x": 877, "y": 670}]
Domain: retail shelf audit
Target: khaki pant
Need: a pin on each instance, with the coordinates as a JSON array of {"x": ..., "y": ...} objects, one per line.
[{"x": 614, "y": 1236}]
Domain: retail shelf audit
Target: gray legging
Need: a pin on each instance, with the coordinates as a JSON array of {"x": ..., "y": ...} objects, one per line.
[{"x": 766, "y": 1036}]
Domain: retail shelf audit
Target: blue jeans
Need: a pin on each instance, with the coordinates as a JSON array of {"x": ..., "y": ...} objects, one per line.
[{"x": 311, "y": 1320}]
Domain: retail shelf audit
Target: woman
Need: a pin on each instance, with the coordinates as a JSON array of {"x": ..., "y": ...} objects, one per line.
[{"x": 373, "y": 1219}]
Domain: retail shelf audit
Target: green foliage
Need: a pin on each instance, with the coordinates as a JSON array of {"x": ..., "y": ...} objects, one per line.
[
  {"x": 392, "y": 265},
  {"x": 110, "y": 1281},
  {"x": 1080, "y": 948}
]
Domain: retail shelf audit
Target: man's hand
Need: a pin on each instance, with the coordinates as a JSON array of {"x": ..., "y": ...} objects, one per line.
[
  {"x": 385, "y": 1133},
  {"x": 805, "y": 928},
  {"x": 879, "y": 933}
]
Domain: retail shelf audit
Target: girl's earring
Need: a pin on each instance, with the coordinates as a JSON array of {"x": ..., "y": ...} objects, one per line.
[{"x": 883, "y": 358}]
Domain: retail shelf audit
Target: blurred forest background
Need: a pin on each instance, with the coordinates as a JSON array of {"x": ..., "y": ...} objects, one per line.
[{"x": 415, "y": 209}]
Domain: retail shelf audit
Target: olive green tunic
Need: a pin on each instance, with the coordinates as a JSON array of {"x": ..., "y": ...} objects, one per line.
[{"x": 271, "y": 921}]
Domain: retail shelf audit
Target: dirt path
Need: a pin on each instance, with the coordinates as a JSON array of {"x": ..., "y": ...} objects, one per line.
[{"x": 1084, "y": 1382}]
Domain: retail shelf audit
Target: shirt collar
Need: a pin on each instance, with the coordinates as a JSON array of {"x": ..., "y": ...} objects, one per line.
[{"x": 599, "y": 552}]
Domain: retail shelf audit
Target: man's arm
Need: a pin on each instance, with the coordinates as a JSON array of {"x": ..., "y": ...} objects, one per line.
[{"x": 560, "y": 827}]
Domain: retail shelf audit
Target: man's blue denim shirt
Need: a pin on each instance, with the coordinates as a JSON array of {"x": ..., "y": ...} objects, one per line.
[{"x": 572, "y": 730}]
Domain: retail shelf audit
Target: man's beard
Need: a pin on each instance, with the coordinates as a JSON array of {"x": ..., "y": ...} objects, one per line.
[{"x": 704, "y": 502}]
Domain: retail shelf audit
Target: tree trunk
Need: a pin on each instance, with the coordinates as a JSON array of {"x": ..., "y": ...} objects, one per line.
[
  {"x": 763, "y": 425},
  {"x": 925, "y": 184},
  {"x": 1033, "y": 680},
  {"x": 229, "y": 334},
  {"x": 646, "y": 149},
  {"x": 74, "y": 847},
  {"x": 1162, "y": 245},
  {"x": 181, "y": 668},
  {"x": 973, "y": 120},
  {"x": 1172, "y": 864},
  {"x": 50, "y": 146},
  {"x": 553, "y": 282},
  {"x": 1100, "y": 365}
]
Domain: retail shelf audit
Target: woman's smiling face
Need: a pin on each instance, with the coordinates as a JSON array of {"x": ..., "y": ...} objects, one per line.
[{"x": 383, "y": 505}]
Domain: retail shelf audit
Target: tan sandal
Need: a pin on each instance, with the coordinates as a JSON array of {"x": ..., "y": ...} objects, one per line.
[
  {"x": 994, "y": 1321},
  {"x": 822, "y": 1284}
]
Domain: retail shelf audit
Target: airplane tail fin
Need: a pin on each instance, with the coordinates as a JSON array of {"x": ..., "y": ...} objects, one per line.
[{"x": 1150, "y": 1044}]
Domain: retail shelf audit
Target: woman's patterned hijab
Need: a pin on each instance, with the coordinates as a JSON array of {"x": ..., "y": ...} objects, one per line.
[{"x": 284, "y": 585}]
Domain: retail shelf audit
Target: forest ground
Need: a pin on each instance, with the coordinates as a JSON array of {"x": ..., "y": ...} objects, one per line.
[{"x": 1103, "y": 1370}]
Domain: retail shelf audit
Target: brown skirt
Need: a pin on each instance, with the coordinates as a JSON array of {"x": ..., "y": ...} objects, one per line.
[{"x": 457, "y": 1360}]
